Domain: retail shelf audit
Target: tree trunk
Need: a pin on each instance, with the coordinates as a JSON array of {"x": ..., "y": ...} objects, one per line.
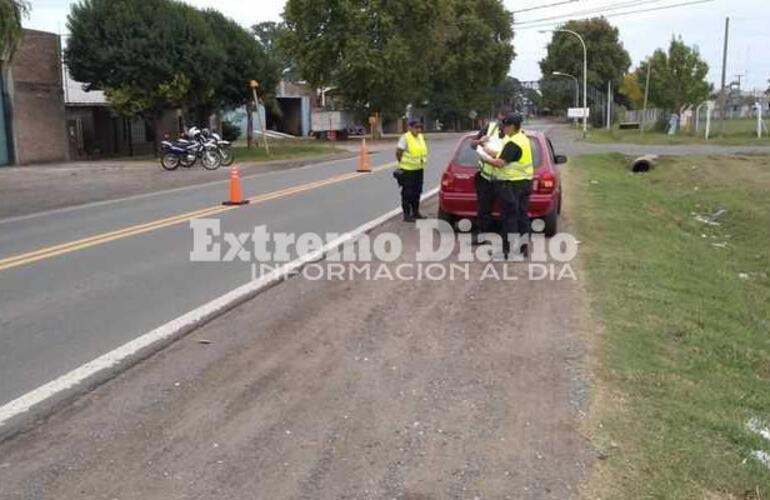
[{"x": 157, "y": 135}]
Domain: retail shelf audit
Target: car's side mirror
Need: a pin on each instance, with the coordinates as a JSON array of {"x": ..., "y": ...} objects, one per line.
[{"x": 560, "y": 159}]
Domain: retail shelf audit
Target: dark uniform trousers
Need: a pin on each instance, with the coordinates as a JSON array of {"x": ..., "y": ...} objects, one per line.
[
  {"x": 485, "y": 196},
  {"x": 514, "y": 207},
  {"x": 411, "y": 190}
]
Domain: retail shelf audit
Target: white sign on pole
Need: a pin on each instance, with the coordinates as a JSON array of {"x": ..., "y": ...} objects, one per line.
[{"x": 578, "y": 112}]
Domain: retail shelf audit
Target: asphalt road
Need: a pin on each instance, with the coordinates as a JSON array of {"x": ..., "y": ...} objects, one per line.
[{"x": 64, "y": 308}]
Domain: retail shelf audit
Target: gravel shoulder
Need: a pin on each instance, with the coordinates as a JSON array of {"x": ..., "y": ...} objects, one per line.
[{"x": 337, "y": 389}]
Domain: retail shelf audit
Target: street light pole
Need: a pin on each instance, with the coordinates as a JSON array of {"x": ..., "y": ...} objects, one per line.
[
  {"x": 585, "y": 75},
  {"x": 577, "y": 85},
  {"x": 646, "y": 96}
]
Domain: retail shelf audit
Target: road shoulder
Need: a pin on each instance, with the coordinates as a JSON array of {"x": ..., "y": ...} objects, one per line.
[
  {"x": 321, "y": 389},
  {"x": 33, "y": 189}
]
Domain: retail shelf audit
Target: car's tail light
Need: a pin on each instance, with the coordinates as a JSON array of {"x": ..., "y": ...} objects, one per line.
[
  {"x": 447, "y": 181},
  {"x": 544, "y": 183}
]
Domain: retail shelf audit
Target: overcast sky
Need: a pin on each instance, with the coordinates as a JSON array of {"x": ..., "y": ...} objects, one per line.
[{"x": 641, "y": 33}]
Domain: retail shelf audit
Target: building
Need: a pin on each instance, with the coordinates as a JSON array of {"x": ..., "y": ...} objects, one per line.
[
  {"x": 32, "y": 127},
  {"x": 295, "y": 100},
  {"x": 94, "y": 131}
]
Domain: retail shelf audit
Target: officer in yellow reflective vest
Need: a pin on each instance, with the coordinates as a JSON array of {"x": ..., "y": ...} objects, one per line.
[
  {"x": 513, "y": 181},
  {"x": 412, "y": 155},
  {"x": 491, "y": 137}
]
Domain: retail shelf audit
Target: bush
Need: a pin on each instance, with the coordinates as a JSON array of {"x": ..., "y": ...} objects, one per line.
[{"x": 230, "y": 132}]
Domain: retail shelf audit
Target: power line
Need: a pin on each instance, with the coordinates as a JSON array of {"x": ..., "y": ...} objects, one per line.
[
  {"x": 547, "y": 24},
  {"x": 564, "y": 2},
  {"x": 592, "y": 10}
]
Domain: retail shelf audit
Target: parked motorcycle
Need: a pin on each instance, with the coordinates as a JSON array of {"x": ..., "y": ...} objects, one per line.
[
  {"x": 186, "y": 151},
  {"x": 224, "y": 148}
]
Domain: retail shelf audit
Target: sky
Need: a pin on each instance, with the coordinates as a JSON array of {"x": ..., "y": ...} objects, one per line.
[{"x": 701, "y": 25}]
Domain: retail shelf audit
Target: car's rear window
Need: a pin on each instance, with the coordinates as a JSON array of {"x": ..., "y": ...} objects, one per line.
[{"x": 467, "y": 157}]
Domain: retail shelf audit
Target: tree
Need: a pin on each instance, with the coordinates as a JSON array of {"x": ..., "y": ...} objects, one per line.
[
  {"x": 372, "y": 51},
  {"x": 677, "y": 78},
  {"x": 11, "y": 14},
  {"x": 607, "y": 58},
  {"x": 632, "y": 91},
  {"x": 153, "y": 55},
  {"x": 384, "y": 54},
  {"x": 474, "y": 53},
  {"x": 246, "y": 60},
  {"x": 269, "y": 34}
]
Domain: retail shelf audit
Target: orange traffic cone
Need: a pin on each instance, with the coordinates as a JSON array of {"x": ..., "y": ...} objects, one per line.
[
  {"x": 236, "y": 194},
  {"x": 363, "y": 158}
]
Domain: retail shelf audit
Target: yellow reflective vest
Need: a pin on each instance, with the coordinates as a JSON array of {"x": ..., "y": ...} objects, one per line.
[
  {"x": 416, "y": 154},
  {"x": 522, "y": 170}
]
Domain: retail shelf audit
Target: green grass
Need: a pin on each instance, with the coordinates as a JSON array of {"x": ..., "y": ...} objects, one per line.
[
  {"x": 737, "y": 132},
  {"x": 682, "y": 357},
  {"x": 285, "y": 149}
]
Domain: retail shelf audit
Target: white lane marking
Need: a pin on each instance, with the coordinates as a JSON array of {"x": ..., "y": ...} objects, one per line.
[
  {"x": 183, "y": 324},
  {"x": 102, "y": 203}
]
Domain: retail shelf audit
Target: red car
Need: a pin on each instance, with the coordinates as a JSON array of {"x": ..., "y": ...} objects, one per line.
[{"x": 457, "y": 196}]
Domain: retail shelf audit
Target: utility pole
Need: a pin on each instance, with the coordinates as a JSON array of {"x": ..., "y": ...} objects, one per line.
[
  {"x": 724, "y": 76},
  {"x": 254, "y": 86},
  {"x": 646, "y": 96},
  {"x": 585, "y": 74},
  {"x": 609, "y": 105}
]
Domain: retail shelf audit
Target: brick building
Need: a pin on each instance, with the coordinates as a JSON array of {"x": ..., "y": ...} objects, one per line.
[{"x": 33, "y": 124}]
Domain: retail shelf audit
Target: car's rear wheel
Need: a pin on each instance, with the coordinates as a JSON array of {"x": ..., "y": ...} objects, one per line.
[
  {"x": 551, "y": 223},
  {"x": 447, "y": 217}
]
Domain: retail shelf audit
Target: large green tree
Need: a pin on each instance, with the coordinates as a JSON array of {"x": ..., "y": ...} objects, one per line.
[
  {"x": 373, "y": 51},
  {"x": 268, "y": 35},
  {"x": 608, "y": 60},
  {"x": 677, "y": 77},
  {"x": 385, "y": 54},
  {"x": 468, "y": 71},
  {"x": 147, "y": 55},
  {"x": 11, "y": 14},
  {"x": 153, "y": 55},
  {"x": 246, "y": 60}
]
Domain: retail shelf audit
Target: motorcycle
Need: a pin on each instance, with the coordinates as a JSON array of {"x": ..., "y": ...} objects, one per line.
[
  {"x": 224, "y": 148},
  {"x": 186, "y": 152}
]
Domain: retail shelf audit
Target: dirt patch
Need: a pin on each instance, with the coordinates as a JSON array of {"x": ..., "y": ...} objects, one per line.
[{"x": 342, "y": 389}]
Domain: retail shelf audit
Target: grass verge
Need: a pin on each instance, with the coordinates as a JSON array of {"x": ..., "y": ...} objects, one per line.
[
  {"x": 682, "y": 362},
  {"x": 737, "y": 133},
  {"x": 285, "y": 149}
]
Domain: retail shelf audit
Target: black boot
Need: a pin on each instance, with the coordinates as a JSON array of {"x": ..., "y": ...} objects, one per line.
[
  {"x": 416, "y": 211},
  {"x": 407, "y": 208}
]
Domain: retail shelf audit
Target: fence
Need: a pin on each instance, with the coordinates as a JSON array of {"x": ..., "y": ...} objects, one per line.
[{"x": 650, "y": 116}]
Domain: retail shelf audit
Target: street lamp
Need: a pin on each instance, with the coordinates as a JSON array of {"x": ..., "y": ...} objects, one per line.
[
  {"x": 577, "y": 85},
  {"x": 585, "y": 74}
]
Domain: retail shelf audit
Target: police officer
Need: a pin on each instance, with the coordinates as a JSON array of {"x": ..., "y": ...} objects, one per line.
[
  {"x": 491, "y": 137},
  {"x": 512, "y": 182},
  {"x": 412, "y": 155}
]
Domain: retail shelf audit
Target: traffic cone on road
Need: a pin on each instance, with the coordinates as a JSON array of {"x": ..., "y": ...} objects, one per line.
[
  {"x": 236, "y": 194},
  {"x": 363, "y": 158}
]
